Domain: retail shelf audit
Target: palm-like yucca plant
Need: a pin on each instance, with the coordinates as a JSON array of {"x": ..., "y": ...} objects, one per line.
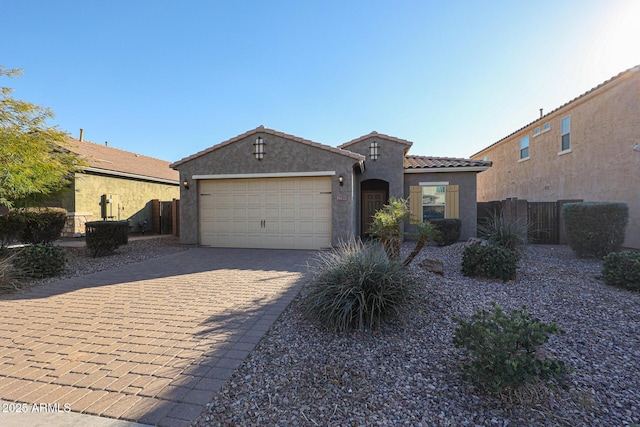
[
  {"x": 356, "y": 286},
  {"x": 500, "y": 231}
]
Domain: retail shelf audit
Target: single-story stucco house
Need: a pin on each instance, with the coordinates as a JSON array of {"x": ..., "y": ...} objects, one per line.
[
  {"x": 268, "y": 189},
  {"x": 114, "y": 185}
]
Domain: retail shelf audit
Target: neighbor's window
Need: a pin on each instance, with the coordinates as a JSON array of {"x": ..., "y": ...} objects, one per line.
[
  {"x": 546, "y": 126},
  {"x": 536, "y": 131},
  {"x": 524, "y": 147},
  {"x": 433, "y": 201},
  {"x": 566, "y": 133}
]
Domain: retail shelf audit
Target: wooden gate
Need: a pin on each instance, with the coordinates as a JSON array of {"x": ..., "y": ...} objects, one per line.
[{"x": 544, "y": 221}]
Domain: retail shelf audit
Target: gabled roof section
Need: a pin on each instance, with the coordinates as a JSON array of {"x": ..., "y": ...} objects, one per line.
[
  {"x": 375, "y": 134},
  {"x": 419, "y": 163},
  {"x": 615, "y": 79},
  {"x": 109, "y": 160},
  {"x": 263, "y": 130}
]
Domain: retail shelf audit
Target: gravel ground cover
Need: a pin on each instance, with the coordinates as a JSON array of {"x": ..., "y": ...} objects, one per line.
[{"x": 408, "y": 372}]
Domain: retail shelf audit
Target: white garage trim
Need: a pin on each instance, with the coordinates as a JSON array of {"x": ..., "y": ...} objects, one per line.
[{"x": 265, "y": 175}]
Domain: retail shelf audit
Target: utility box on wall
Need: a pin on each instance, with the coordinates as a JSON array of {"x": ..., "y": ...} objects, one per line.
[{"x": 109, "y": 207}]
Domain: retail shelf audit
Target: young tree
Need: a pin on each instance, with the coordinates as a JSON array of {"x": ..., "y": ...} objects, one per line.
[
  {"x": 34, "y": 163},
  {"x": 387, "y": 227}
]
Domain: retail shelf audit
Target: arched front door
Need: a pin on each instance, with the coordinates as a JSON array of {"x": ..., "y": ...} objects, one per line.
[{"x": 374, "y": 193}]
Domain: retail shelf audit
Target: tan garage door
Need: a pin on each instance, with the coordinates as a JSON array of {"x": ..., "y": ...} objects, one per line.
[{"x": 283, "y": 213}]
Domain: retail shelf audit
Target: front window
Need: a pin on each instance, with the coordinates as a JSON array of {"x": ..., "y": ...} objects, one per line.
[
  {"x": 433, "y": 201},
  {"x": 566, "y": 133},
  {"x": 524, "y": 147}
]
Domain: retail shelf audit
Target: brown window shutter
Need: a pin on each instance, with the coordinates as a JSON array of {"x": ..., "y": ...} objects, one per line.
[
  {"x": 452, "y": 200},
  {"x": 415, "y": 204}
]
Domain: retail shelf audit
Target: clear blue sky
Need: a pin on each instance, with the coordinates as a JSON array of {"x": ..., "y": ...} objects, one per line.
[{"x": 170, "y": 78}]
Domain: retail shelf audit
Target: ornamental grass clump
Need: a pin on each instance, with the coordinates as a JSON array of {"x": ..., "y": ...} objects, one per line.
[
  {"x": 504, "y": 349},
  {"x": 356, "y": 286}
]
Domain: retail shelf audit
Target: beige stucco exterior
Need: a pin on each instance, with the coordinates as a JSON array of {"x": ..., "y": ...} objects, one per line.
[
  {"x": 601, "y": 164},
  {"x": 131, "y": 198}
]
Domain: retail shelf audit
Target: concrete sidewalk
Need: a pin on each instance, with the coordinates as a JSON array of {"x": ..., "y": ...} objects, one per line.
[{"x": 150, "y": 342}]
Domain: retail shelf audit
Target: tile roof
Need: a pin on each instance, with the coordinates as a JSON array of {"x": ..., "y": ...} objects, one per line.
[
  {"x": 106, "y": 159},
  {"x": 262, "y": 129},
  {"x": 379, "y": 135},
  {"x": 428, "y": 162},
  {"x": 617, "y": 78}
]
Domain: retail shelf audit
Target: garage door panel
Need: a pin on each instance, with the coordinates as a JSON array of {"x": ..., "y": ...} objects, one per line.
[{"x": 266, "y": 213}]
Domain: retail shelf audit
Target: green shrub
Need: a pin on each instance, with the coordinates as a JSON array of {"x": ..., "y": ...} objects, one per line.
[
  {"x": 503, "y": 349},
  {"x": 490, "y": 261},
  {"x": 104, "y": 237},
  {"x": 356, "y": 286},
  {"x": 503, "y": 232},
  {"x": 595, "y": 229},
  {"x": 41, "y": 225},
  {"x": 622, "y": 269},
  {"x": 41, "y": 260},
  {"x": 10, "y": 229},
  {"x": 447, "y": 230}
]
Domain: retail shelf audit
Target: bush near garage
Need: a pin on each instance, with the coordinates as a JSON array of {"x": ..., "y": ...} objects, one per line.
[
  {"x": 595, "y": 229},
  {"x": 40, "y": 225},
  {"x": 40, "y": 260},
  {"x": 104, "y": 237}
]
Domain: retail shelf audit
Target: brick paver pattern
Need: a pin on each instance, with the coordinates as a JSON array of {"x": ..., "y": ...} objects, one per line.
[{"x": 150, "y": 342}]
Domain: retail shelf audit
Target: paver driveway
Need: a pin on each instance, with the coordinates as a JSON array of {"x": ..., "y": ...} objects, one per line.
[{"x": 150, "y": 342}]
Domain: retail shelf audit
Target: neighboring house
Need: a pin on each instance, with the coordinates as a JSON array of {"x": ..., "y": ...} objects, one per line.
[
  {"x": 268, "y": 189},
  {"x": 587, "y": 149},
  {"x": 115, "y": 185}
]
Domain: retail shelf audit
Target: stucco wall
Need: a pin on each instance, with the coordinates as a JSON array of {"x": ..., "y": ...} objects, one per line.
[
  {"x": 282, "y": 155},
  {"x": 601, "y": 166},
  {"x": 467, "y": 193},
  {"x": 132, "y": 197},
  {"x": 388, "y": 167}
]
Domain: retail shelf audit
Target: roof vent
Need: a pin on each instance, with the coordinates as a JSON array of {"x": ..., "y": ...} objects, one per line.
[
  {"x": 106, "y": 143},
  {"x": 81, "y": 134}
]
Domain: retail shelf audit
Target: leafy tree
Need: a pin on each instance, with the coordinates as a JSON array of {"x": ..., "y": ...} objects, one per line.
[{"x": 34, "y": 163}]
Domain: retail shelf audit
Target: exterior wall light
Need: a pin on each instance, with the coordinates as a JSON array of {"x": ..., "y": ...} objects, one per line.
[
  {"x": 636, "y": 147},
  {"x": 258, "y": 148},
  {"x": 185, "y": 184},
  {"x": 341, "y": 180},
  {"x": 373, "y": 151}
]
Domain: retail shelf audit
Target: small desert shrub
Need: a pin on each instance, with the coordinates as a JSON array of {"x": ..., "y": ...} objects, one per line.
[
  {"x": 41, "y": 260},
  {"x": 10, "y": 229},
  {"x": 104, "y": 237},
  {"x": 356, "y": 286},
  {"x": 41, "y": 225},
  {"x": 622, "y": 269},
  {"x": 595, "y": 229},
  {"x": 447, "y": 231},
  {"x": 503, "y": 349},
  {"x": 490, "y": 261},
  {"x": 498, "y": 230}
]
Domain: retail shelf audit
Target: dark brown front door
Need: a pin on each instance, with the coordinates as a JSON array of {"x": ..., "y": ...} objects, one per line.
[{"x": 372, "y": 200}]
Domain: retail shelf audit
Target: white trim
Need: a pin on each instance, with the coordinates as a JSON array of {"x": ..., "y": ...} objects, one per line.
[
  {"x": 433, "y": 184},
  {"x": 452, "y": 169},
  {"x": 265, "y": 175},
  {"x": 131, "y": 175},
  {"x": 567, "y": 151},
  {"x": 524, "y": 159}
]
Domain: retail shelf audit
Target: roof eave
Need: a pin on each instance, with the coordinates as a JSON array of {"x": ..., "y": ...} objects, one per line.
[{"x": 447, "y": 169}]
